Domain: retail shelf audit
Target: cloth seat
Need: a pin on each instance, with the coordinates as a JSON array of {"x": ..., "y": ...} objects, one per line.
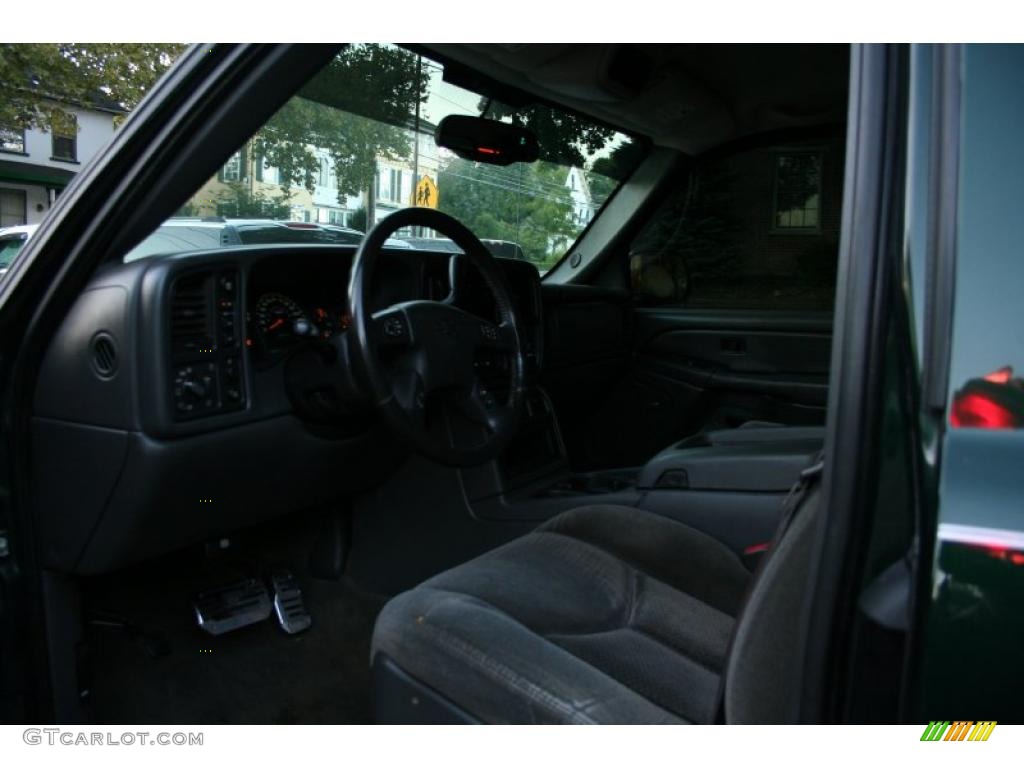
[{"x": 605, "y": 614}]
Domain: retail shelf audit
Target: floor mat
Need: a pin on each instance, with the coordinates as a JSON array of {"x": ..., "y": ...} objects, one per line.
[{"x": 164, "y": 669}]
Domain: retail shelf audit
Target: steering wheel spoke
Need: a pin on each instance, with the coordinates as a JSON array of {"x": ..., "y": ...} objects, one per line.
[{"x": 411, "y": 395}]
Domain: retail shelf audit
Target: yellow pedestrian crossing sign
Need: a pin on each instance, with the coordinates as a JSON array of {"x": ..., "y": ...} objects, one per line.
[{"x": 425, "y": 193}]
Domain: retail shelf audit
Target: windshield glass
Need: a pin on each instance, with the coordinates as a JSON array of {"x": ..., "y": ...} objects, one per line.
[{"x": 356, "y": 144}]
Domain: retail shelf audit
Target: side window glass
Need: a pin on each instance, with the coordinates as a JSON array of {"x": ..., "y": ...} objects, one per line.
[
  {"x": 753, "y": 229},
  {"x": 987, "y": 360}
]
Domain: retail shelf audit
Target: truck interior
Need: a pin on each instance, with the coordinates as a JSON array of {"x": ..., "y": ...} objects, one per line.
[{"x": 292, "y": 482}]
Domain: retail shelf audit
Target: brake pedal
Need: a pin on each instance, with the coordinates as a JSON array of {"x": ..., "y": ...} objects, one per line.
[
  {"x": 289, "y": 606},
  {"x": 232, "y": 606}
]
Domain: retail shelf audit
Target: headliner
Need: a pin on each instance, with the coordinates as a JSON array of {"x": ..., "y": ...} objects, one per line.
[{"x": 687, "y": 97}]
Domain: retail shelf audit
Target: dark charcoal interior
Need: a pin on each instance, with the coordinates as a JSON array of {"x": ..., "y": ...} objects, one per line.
[{"x": 692, "y": 409}]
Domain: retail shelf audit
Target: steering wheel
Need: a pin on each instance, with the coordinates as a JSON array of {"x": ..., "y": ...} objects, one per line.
[{"x": 418, "y": 359}]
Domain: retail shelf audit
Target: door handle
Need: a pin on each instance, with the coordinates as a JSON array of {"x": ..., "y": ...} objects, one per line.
[{"x": 733, "y": 345}]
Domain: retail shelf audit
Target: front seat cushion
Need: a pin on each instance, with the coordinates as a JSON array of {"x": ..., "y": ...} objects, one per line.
[{"x": 604, "y": 614}]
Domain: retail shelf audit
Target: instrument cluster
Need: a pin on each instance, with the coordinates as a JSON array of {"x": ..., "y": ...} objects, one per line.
[{"x": 278, "y": 322}]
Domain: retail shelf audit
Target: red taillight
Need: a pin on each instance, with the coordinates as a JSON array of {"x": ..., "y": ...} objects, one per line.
[
  {"x": 974, "y": 409},
  {"x": 488, "y": 151}
]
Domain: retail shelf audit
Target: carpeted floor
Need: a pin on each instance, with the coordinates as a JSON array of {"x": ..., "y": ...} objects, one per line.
[{"x": 164, "y": 669}]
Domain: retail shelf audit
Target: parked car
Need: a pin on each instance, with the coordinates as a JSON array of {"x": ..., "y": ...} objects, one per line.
[
  {"x": 354, "y": 236},
  {"x": 501, "y": 248},
  {"x": 12, "y": 240},
  {"x": 322, "y": 483}
]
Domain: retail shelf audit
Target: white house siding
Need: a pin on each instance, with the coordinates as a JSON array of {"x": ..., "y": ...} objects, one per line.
[{"x": 95, "y": 130}]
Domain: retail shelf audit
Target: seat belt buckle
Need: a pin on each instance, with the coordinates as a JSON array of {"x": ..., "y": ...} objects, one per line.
[{"x": 753, "y": 554}]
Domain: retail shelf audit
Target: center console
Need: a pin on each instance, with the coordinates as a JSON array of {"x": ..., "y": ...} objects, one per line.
[{"x": 728, "y": 483}]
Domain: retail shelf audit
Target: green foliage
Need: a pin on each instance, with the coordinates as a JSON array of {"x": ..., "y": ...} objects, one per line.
[
  {"x": 607, "y": 172},
  {"x": 31, "y": 74},
  {"x": 238, "y": 201},
  {"x": 525, "y": 204},
  {"x": 358, "y": 219},
  {"x": 354, "y": 124},
  {"x": 563, "y": 136}
]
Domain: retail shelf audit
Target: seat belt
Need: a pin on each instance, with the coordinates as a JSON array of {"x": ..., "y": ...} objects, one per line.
[
  {"x": 809, "y": 478},
  {"x": 754, "y": 555}
]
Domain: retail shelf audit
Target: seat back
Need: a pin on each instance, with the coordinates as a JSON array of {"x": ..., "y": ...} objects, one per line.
[{"x": 763, "y": 671}]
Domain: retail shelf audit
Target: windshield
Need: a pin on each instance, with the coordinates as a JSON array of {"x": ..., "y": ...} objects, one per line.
[{"x": 356, "y": 144}]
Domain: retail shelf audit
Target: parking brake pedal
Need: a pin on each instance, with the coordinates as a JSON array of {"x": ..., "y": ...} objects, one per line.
[
  {"x": 232, "y": 606},
  {"x": 289, "y": 607}
]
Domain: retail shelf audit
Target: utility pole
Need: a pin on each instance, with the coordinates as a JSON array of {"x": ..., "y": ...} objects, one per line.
[
  {"x": 371, "y": 199},
  {"x": 417, "y": 231}
]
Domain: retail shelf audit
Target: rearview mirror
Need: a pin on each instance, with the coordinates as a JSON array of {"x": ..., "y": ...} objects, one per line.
[{"x": 486, "y": 141}]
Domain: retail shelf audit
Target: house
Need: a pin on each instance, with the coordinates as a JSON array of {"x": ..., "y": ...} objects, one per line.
[
  {"x": 393, "y": 189},
  {"x": 36, "y": 164},
  {"x": 583, "y": 205}
]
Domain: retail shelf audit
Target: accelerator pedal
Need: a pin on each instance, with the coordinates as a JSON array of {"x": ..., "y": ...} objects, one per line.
[{"x": 232, "y": 606}]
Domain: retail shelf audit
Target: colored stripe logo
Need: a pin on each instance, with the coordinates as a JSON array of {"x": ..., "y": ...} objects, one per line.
[{"x": 959, "y": 730}]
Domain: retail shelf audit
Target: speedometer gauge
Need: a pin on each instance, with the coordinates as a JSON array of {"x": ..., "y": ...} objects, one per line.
[{"x": 276, "y": 317}]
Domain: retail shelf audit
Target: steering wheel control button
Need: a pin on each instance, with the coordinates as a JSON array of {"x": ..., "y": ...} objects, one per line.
[
  {"x": 489, "y": 331},
  {"x": 394, "y": 327},
  {"x": 488, "y": 399}
]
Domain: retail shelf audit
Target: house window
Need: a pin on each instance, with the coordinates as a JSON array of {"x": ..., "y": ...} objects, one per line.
[
  {"x": 265, "y": 172},
  {"x": 232, "y": 170},
  {"x": 64, "y": 134},
  {"x": 325, "y": 172},
  {"x": 13, "y": 204},
  {"x": 12, "y": 140},
  {"x": 797, "y": 192}
]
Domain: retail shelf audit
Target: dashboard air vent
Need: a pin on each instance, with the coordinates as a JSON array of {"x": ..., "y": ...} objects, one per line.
[
  {"x": 104, "y": 355},
  {"x": 190, "y": 313}
]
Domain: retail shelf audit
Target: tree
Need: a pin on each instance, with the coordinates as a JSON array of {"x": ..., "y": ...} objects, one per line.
[
  {"x": 562, "y": 136},
  {"x": 358, "y": 219},
  {"x": 238, "y": 201},
  {"x": 339, "y": 115},
  {"x": 523, "y": 203},
  {"x": 608, "y": 171},
  {"x": 36, "y": 77}
]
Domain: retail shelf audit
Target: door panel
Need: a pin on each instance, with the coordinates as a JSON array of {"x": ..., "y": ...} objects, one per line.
[
  {"x": 765, "y": 366},
  {"x": 685, "y": 371}
]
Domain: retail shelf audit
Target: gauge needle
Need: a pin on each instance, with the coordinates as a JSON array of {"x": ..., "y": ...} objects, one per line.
[{"x": 276, "y": 324}]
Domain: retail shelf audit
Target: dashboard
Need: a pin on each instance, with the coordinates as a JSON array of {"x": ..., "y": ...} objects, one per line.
[{"x": 163, "y": 401}]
